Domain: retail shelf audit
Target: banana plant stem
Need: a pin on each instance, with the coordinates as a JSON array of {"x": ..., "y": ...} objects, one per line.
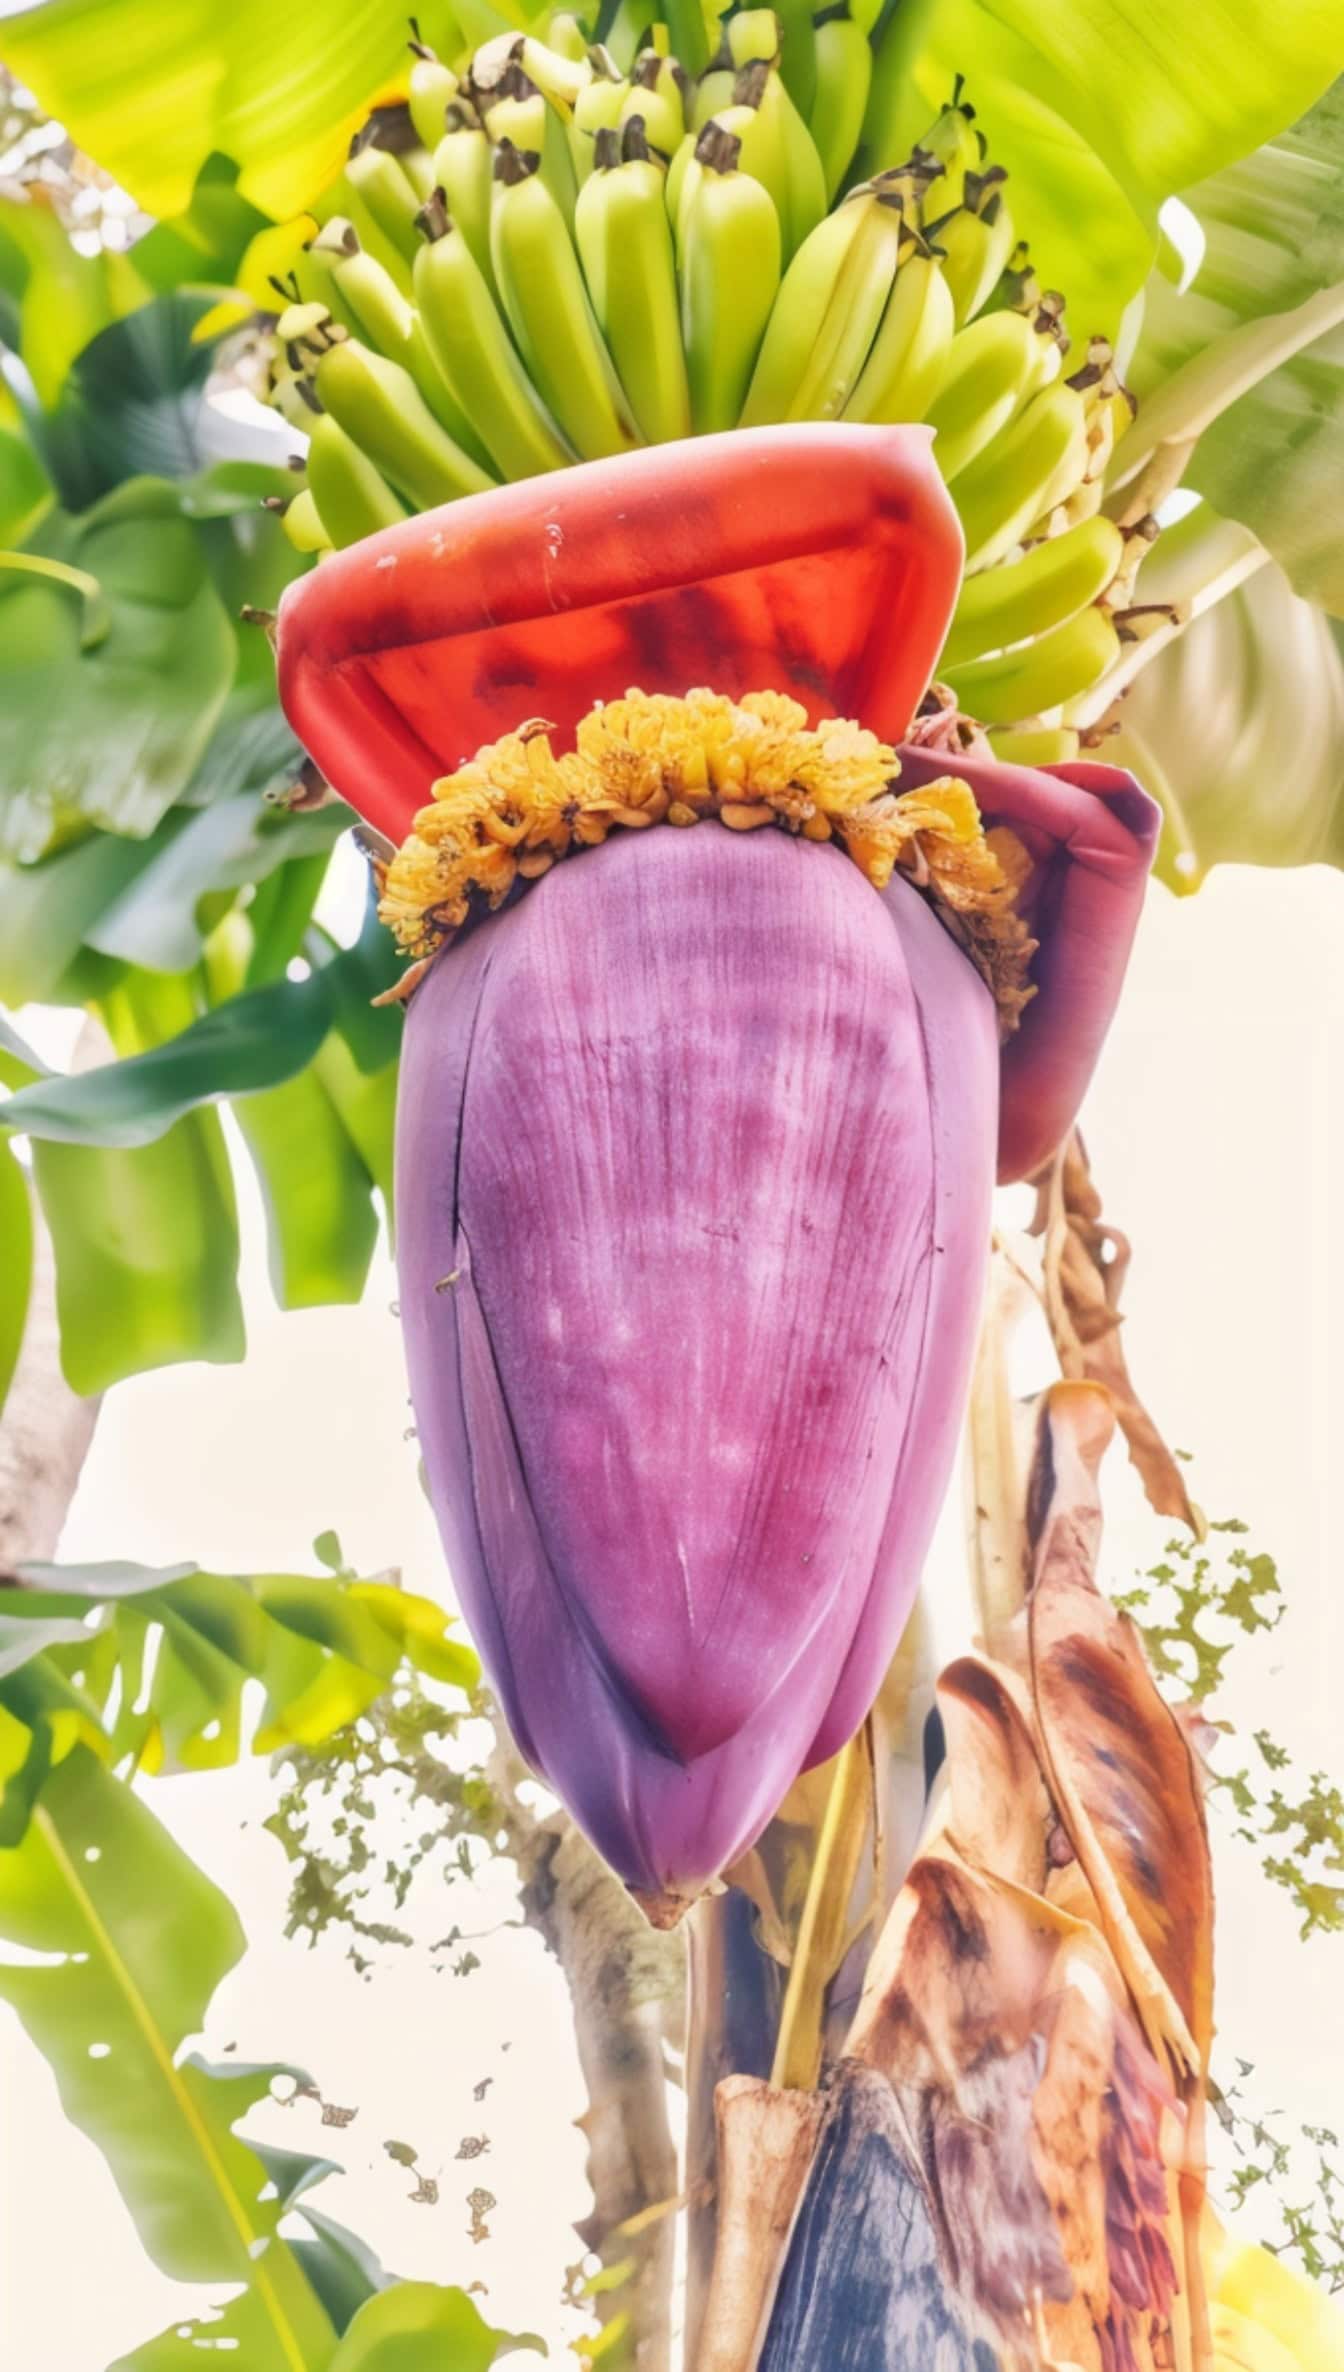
[{"x": 825, "y": 1923}]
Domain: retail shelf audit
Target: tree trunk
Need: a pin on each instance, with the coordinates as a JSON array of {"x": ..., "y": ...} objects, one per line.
[{"x": 45, "y": 1429}]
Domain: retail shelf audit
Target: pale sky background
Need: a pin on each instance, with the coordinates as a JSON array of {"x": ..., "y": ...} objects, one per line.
[{"x": 1216, "y": 1129}]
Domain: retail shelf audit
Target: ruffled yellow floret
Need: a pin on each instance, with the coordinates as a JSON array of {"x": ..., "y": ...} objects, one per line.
[{"x": 652, "y": 758}]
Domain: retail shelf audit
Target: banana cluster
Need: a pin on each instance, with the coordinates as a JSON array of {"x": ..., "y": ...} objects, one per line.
[{"x": 557, "y": 252}]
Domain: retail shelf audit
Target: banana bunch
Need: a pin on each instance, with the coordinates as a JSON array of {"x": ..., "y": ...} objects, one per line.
[{"x": 559, "y": 249}]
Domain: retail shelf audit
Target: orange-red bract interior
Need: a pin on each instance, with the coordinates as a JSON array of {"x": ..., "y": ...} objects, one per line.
[{"x": 819, "y": 560}]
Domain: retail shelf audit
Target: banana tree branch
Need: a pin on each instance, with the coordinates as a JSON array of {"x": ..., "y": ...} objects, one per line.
[{"x": 45, "y": 1430}]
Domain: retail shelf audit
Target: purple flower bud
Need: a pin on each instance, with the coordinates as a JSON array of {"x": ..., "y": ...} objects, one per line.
[{"x": 695, "y": 1157}]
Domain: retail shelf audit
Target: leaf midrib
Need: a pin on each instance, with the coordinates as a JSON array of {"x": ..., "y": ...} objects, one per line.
[{"x": 258, "y": 2272}]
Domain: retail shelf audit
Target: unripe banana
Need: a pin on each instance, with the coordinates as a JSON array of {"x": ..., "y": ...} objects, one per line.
[
  {"x": 1040, "y": 745},
  {"x": 1037, "y": 675},
  {"x": 952, "y": 144},
  {"x": 302, "y": 523},
  {"x": 993, "y": 366},
  {"x": 781, "y": 132},
  {"x": 539, "y": 279},
  {"x": 305, "y": 324},
  {"x": 385, "y": 188},
  {"x": 713, "y": 92},
  {"x": 976, "y": 241},
  {"x": 596, "y": 109},
  {"x": 686, "y": 169},
  {"x": 753, "y": 34},
  {"x": 464, "y": 171},
  {"x": 627, "y": 32},
  {"x": 476, "y": 355},
  {"x": 378, "y": 404},
  {"x": 657, "y": 96},
  {"x": 352, "y": 496},
  {"x": 519, "y": 115},
  {"x": 432, "y": 87},
  {"x": 1040, "y": 455},
  {"x": 348, "y": 203},
  {"x": 729, "y": 270},
  {"x": 909, "y": 354},
  {"x": 1047, "y": 586},
  {"x": 561, "y": 74},
  {"x": 807, "y": 289},
  {"x": 309, "y": 281},
  {"x": 844, "y": 69},
  {"x": 567, "y": 36},
  {"x": 389, "y": 322},
  {"x": 624, "y": 241},
  {"x": 835, "y": 356}
]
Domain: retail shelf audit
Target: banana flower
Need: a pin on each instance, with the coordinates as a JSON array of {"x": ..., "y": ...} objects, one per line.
[{"x": 697, "y": 1136}]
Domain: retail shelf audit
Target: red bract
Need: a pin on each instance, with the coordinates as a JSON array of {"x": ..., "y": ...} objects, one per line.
[
  {"x": 820, "y": 561},
  {"x": 697, "y": 1139}
]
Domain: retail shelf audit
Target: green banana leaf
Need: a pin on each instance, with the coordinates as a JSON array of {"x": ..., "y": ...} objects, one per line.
[
  {"x": 105, "y": 722},
  {"x": 129, "y": 1942},
  {"x": 1100, "y": 115},
  {"x": 153, "y": 87},
  {"x": 151, "y": 1664},
  {"x": 249, "y": 1042},
  {"x": 1251, "y": 356},
  {"x": 146, "y": 1249},
  {"x": 132, "y": 403},
  {"x": 25, "y": 489},
  {"x": 141, "y": 901},
  {"x": 417, "y": 2323},
  {"x": 1261, "y": 782},
  {"x": 61, "y": 299}
]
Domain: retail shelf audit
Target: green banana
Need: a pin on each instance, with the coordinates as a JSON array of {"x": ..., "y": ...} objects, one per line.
[
  {"x": 1038, "y": 675},
  {"x": 624, "y": 241},
  {"x": 844, "y": 69},
  {"x": 657, "y": 95},
  {"x": 752, "y": 36},
  {"x": 729, "y": 268},
  {"x": 713, "y": 92},
  {"x": 909, "y": 354},
  {"x": 758, "y": 155},
  {"x": 993, "y": 366},
  {"x": 976, "y": 241},
  {"x": 567, "y": 37},
  {"x": 378, "y": 404},
  {"x": 833, "y": 358},
  {"x": 390, "y": 322},
  {"x": 806, "y": 292},
  {"x": 780, "y": 133},
  {"x": 1047, "y": 586},
  {"x": 302, "y": 521},
  {"x": 519, "y": 115},
  {"x": 432, "y": 87},
  {"x": 596, "y": 109},
  {"x": 381, "y": 182},
  {"x": 539, "y": 279},
  {"x": 956, "y": 148},
  {"x": 352, "y": 496},
  {"x": 1026, "y": 469},
  {"x": 464, "y": 171},
  {"x": 474, "y": 351},
  {"x": 1040, "y": 745},
  {"x": 558, "y": 73}
]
